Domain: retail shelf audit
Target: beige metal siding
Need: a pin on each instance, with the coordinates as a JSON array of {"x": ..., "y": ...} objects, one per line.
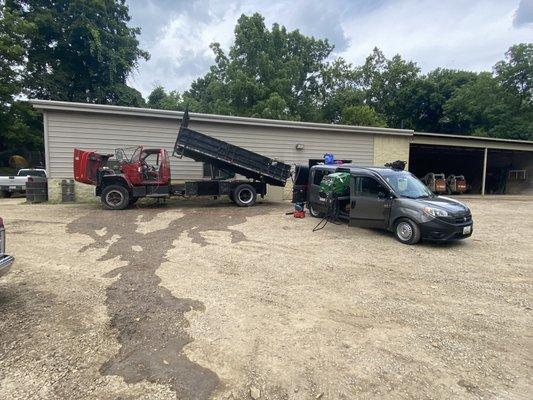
[{"x": 105, "y": 132}]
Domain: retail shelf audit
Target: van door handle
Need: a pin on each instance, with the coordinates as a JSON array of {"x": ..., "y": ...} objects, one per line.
[{"x": 353, "y": 204}]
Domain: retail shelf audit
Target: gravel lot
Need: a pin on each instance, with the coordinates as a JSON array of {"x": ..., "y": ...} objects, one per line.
[{"x": 209, "y": 301}]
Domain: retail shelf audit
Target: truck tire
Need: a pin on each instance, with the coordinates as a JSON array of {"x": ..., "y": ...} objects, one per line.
[
  {"x": 115, "y": 197},
  {"x": 6, "y": 194},
  {"x": 407, "y": 231},
  {"x": 245, "y": 195},
  {"x": 314, "y": 213}
]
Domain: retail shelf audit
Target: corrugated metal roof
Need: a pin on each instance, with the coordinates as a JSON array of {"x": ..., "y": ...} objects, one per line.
[
  {"x": 226, "y": 119},
  {"x": 468, "y": 137}
]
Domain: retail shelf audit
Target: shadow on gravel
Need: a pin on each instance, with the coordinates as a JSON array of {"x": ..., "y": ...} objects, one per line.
[{"x": 150, "y": 322}]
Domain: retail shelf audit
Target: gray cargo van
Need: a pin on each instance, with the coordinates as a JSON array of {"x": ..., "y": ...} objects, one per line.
[{"x": 391, "y": 199}]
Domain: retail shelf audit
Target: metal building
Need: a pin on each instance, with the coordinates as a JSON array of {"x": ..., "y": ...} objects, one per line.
[
  {"x": 491, "y": 166},
  {"x": 104, "y": 128}
]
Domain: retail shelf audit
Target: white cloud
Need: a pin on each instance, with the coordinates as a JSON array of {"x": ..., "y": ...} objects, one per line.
[
  {"x": 465, "y": 34},
  {"x": 453, "y": 34}
]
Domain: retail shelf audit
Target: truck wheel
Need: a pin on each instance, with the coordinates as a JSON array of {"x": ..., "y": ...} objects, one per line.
[
  {"x": 244, "y": 195},
  {"x": 314, "y": 213},
  {"x": 6, "y": 194},
  {"x": 407, "y": 231},
  {"x": 115, "y": 197}
]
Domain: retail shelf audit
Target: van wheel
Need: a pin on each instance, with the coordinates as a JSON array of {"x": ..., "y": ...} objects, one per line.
[
  {"x": 314, "y": 213},
  {"x": 407, "y": 231},
  {"x": 244, "y": 195},
  {"x": 115, "y": 197}
]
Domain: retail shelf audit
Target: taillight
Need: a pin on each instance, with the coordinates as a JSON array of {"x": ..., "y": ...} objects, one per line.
[{"x": 30, "y": 179}]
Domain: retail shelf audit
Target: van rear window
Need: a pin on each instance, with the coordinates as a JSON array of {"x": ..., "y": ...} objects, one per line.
[{"x": 318, "y": 175}]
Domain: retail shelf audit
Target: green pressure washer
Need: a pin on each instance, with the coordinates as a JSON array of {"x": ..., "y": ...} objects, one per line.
[{"x": 335, "y": 185}]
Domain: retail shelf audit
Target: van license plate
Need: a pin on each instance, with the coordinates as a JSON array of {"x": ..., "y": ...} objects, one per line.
[{"x": 467, "y": 229}]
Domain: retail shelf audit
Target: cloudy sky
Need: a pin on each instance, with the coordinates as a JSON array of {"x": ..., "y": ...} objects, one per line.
[{"x": 464, "y": 34}]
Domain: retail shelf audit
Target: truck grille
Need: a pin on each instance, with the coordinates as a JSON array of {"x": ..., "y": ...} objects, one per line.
[{"x": 464, "y": 219}]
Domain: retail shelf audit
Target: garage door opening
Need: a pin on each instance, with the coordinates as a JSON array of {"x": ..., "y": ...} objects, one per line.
[
  {"x": 509, "y": 172},
  {"x": 448, "y": 160}
]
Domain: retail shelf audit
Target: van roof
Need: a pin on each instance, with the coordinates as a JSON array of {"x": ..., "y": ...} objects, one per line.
[{"x": 353, "y": 167}]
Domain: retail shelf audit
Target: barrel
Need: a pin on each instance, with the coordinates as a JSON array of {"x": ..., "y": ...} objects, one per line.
[
  {"x": 67, "y": 190},
  {"x": 36, "y": 190}
]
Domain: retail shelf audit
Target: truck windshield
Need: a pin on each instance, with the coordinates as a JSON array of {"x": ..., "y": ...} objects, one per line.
[
  {"x": 406, "y": 184},
  {"x": 128, "y": 154}
]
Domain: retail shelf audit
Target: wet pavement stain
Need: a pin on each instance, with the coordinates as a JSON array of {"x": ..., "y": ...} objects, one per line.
[{"x": 150, "y": 321}]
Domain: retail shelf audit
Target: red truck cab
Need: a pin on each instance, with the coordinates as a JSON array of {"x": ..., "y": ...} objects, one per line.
[{"x": 121, "y": 181}]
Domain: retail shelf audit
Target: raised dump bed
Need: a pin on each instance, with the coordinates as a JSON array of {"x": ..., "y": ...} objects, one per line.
[{"x": 228, "y": 157}]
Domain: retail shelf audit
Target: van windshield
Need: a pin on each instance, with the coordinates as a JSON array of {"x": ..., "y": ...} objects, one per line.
[{"x": 406, "y": 184}]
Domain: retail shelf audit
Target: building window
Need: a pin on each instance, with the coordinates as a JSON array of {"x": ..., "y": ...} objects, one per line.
[{"x": 517, "y": 175}]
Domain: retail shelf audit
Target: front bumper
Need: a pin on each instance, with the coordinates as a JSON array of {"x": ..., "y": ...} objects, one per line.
[
  {"x": 439, "y": 230},
  {"x": 5, "y": 263}
]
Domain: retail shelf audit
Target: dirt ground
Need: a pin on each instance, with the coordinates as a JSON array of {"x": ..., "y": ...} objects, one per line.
[{"x": 209, "y": 301}]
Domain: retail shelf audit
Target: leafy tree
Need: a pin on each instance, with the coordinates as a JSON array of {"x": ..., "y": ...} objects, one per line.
[
  {"x": 74, "y": 50},
  {"x": 361, "y": 115},
  {"x": 267, "y": 73},
  {"x": 81, "y": 50},
  {"x": 339, "y": 89},
  {"x": 24, "y": 128},
  {"x": 515, "y": 73},
  {"x": 425, "y": 98},
  {"x": 163, "y": 100},
  {"x": 386, "y": 84},
  {"x": 13, "y": 50},
  {"x": 124, "y": 95},
  {"x": 338, "y": 100},
  {"x": 484, "y": 107}
]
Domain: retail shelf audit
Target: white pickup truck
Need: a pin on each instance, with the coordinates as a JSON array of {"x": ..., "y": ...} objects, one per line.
[{"x": 17, "y": 183}]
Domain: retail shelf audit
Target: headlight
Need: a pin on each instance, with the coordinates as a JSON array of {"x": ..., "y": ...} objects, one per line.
[{"x": 435, "y": 212}]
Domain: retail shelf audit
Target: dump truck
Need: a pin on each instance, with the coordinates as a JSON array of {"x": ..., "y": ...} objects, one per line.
[{"x": 130, "y": 174}]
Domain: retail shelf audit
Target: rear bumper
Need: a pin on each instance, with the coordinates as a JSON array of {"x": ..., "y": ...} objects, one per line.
[
  {"x": 5, "y": 264},
  {"x": 13, "y": 188},
  {"x": 443, "y": 231}
]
